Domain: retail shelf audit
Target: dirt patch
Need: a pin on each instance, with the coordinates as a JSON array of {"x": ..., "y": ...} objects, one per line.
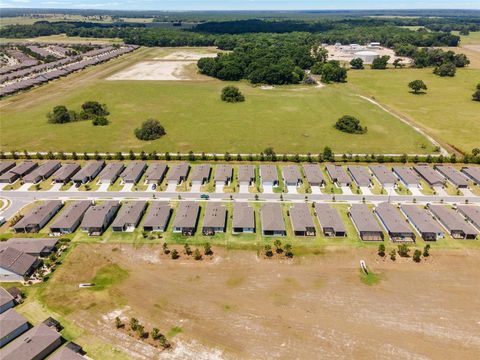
[
  {"x": 155, "y": 70},
  {"x": 243, "y": 306},
  {"x": 186, "y": 55}
]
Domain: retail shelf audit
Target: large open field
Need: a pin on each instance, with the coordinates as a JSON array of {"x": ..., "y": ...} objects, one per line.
[
  {"x": 290, "y": 119},
  {"x": 446, "y": 112},
  {"x": 249, "y": 307}
]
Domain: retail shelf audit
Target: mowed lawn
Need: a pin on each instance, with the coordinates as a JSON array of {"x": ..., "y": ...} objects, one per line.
[
  {"x": 292, "y": 119},
  {"x": 446, "y": 111}
]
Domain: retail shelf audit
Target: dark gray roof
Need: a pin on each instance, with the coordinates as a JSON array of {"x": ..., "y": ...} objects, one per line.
[
  {"x": 31, "y": 344},
  {"x": 338, "y": 174},
  {"x": 391, "y": 218},
  {"x": 313, "y": 173},
  {"x": 291, "y": 174},
  {"x": 329, "y": 217},
  {"x": 215, "y": 215},
  {"x": 363, "y": 218},
  {"x": 10, "y": 321},
  {"x": 472, "y": 213},
  {"x": 246, "y": 173},
  {"x": 432, "y": 177},
  {"x": 158, "y": 214},
  {"x": 42, "y": 171},
  {"x": 421, "y": 219},
  {"x": 71, "y": 214},
  {"x": 6, "y": 165},
  {"x": 360, "y": 175},
  {"x": 156, "y": 171},
  {"x": 268, "y": 173},
  {"x": 66, "y": 172},
  {"x": 383, "y": 175},
  {"x": 177, "y": 171},
  {"x": 31, "y": 246},
  {"x": 133, "y": 171},
  {"x": 129, "y": 213},
  {"x": 201, "y": 172},
  {"x": 66, "y": 353},
  {"x": 24, "y": 168},
  {"x": 272, "y": 217},
  {"x": 453, "y": 175},
  {"x": 39, "y": 214},
  {"x": 95, "y": 215},
  {"x": 243, "y": 216},
  {"x": 89, "y": 170},
  {"x": 301, "y": 217},
  {"x": 5, "y": 296},
  {"x": 407, "y": 175},
  {"x": 16, "y": 261},
  {"x": 473, "y": 172},
  {"x": 452, "y": 220},
  {"x": 187, "y": 214},
  {"x": 223, "y": 172},
  {"x": 111, "y": 171}
]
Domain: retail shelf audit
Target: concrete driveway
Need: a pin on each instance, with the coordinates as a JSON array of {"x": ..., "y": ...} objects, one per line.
[
  {"x": 415, "y": 191},
  {"x": 267, "y": 189},
  {"x": 196, "y": 188},
  {"x": 219, "y": 189},
  {"x": 243, "y": 189},
  {"x": 25, "y": 187},
  {"x": 316, "y": 190},
  {"x": 103, "y": 187},
  {"x": 127, "y": 187},
  {"x": 346, "y": 190},
  {"x": 292, "y": 189},
  {"x": 440, "y": 191},
  {"x": 366, "y": 190},
  {"x": 171, "y": 187}
]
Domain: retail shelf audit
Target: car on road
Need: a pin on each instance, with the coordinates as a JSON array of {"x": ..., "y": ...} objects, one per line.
[{"x": 205, "y": 196}]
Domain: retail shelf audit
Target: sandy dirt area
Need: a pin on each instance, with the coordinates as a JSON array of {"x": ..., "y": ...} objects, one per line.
[
  {"x": 335, "y": 53},
  {"x": 176, "y": 66},
  {"x": 241, "y": 306}
]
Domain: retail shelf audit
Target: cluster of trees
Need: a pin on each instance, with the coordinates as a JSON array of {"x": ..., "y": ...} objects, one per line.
[
  {"x": 476, "y": 94},
  {"x": 91, "y": 110},
  {"x": 330, "y": 71},
  {"x": 232, "y": 94},
  {"x": 150, "y": 129},
  {"x": 404, "y": 251},
  {"x": 285, "y": 251},
  {"x": 197, "y": 254},
  {"x": 350, "y": 124},
  {"x": 380, "y": 63},
  {"x": 136, "y": 327}
]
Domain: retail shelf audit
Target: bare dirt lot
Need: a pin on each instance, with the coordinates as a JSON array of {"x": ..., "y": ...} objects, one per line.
[
  {"x": 241, "y": 306},
  {"x": 178, "y": 65}
]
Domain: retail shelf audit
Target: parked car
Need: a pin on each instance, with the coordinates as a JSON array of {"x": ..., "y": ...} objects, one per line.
[{"x": 205, "y": 196}]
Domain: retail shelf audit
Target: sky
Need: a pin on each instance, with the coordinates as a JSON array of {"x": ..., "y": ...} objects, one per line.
[{"x": 241, "y": 4}]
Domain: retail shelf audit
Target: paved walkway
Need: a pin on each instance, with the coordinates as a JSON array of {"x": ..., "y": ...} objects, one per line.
[{"x": 292, "y": 189}]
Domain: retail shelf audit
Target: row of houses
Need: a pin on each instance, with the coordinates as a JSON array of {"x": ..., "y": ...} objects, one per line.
[
  {"x": 19, "y": 340},
  {"x": 177, "y": 173},
  {"x": 431, "y": 223}
]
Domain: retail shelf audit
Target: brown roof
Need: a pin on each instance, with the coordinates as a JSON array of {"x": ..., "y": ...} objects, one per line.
[
  {"x": 31, "y": 344},
  {"x": 156, "y": 172},
  {"x": 301, "y": 217},
  {"x": 243, "y": 216},
  {"x": 215, "y": 215},
  {"x": 268, "y": 173},
  {"x": 111, "y": 172},
  {"x": 39, "y": 214},
  {"x": 130, "y": 213},
  {"x": 338, "y": 174},
  {"x": 187, "y": 215},
  {"x": 71, "y": 214},
  {"x": 66, "y": 172},
  {"x": 224, "y": 173},
  {"x": 95, "y": 215},
  {"x": 10, "y": 321},
  {"x": 246, "y": 173},
  {"x": 89, "y": 170},
  {"x": 6, "y": 165},
  {"x": 16, "y": 261},
  {"x": 329, "y": 217},
  {"x": 44, "y": 170},
  {"x": 158, "y": 214},
  {"x": 5, "y": 296},
  {"x": 313, "y": 173},
  {"x": 177, "y": 171},
  {"x": 291, "y": 174},
  {"x": 31, "y": 246},
  {"x": 201, "y": 172},
  {"x": 272, "y": 217}
]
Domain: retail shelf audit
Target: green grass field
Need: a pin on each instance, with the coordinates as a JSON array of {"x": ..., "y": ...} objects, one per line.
[
  {"x": 471, "y": 39},
  {"x": 446, "y": 111},
  {"x": 289, "y": 119}
]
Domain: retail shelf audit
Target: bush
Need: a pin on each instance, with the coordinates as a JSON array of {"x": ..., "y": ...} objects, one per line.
[
  {"x": 90, "y": 109},
  {"x": 232, "y": 94},
  {"x": 151, "y": 129},
  {"x": 100, "y": 121},
  {"x": 333, "y": 72},
  {"x": 380, "y": 63},
  {"x": 356, "y": 63},
  {"x": 60, "y": 115},
  {"x": 350, "y": 124},
  {"x": 445, "y": 69},
  {"x": 417, "y": 255},
  {"x": 476, "y": 94}
]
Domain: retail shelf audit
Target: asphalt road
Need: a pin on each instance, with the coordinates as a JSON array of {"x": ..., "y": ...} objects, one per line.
[{"x": 19, "y": 199}]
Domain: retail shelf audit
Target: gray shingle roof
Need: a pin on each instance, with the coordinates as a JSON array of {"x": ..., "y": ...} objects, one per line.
[
  {"x": 268, "y": 173},
  {"x": 89, "y": 170},
  {"x": 243, "y": 216},
  {"x": 178, "y": 171},
  {"x": 314, "y": 174},
  {"x": 111, "y": 172},
  {"x": 6, "y": 165},
  {"x": 432, "y": 177},
  {"x": 329, "y": 217},
  {"x": 71, "y": 215},
  {"x": 16, "y": 261},
  {"x": 133, "y": 172},
  {"x": 224, "y": 173},
  {"x": 187, "y": 214},
  {"x": 272, "y": 217},
  {"x": 291, "y": 174},
  {"x": 31, "y": 246},
  {"x": 363, "y": 218},
  {"x": 421, "y": 219},
  {"x": 129, "y": 213},
  {"x": 246, "y": 173},
  {"x": 156, "y": 172},
  {"x": 95, "y": 215},
  {"x": 383, "y": 174},
  {"x": 392, "y": 219},
  {"x": 66, "y": 172},
  {"x": 201, "y": 172},
  {"x": 453, "y": 175},
  {"x": 42, "y": 171},
  {"x": 473, "y": 172},
  {"x": 338, "y": 174},
  {"x": 301, "y": 217},
  {"x": 215, "y": 215},
  {"x": 158, "y": 214},
  {"x": 407, "y": 175},
  {"x": 452, "y": 220},
  {"x": 39, "y": 214},
  {"x": 10, "y": 321},
  {"x": 5, "y": 297},
  {"x": 360, "y": 175}
]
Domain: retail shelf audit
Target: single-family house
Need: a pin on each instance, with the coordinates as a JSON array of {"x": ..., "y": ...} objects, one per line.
[
  {"x": 7, "y": 301},
  {"x": 70, "y": 218},
  {"x": 129, "y": 216},
  {"x": 330, "y": 220},
  {"x": 65, "y": 173},
  {"x": 365, "y": 223},
  {"x": 97, "y": 218},
  {"x": 314, "y": 174},
  {"x": 338, "y": 175},
  {"x": 272, "y": 220},
  {"x": 71, "y": 351},
  {"x": 453, "y": 222},
  {"x": 215, "y": 219},
  {"x": 407, "y": 176},
  {"x": 201, "y": 174},
  {"x": 18, "y": 172},
  {"x": 12, "y": 325},
  {"x": 158, "y": 216},
  {"x": 178, "y": 173},
  {"x": 291, "y": 175},
  {"x": 246, "y": 175},
  {"x": 473, "y": 173},
  {"x": 423, "y": 222},
  {"x": 360, "y": 175},
  {"x": 243, "y": 218},
  {"x": 428, "y": 174},
  {"x": 38, "y": 247},
  {"x": 394, "y": 223},
  {"x": 384, "y": 176},
  {"x": 269, "y": 175},
  {"x": 89, "y": 172},
  {"x": 5, "y": 166},
  {"x": 223, "y": 175},
  {"x": 16, "y": 265},
  {"x": 471, "y": 213},
  {"x": 156, "y": 173},
  {"x": 110, "y": 173},
  {"x": 301, "y": 219},
  {"x": 42, "y": 172},
  {"x": 455, "y": 177},
  {"x": 133, "y": 172},
  {"x": 186, "y": 218},
  {"x": 36, "y": 219}
]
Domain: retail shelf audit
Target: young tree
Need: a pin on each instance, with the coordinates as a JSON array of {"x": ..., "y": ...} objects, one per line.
[
  {"x": 134, "y": 324},
  {"x": 327, "y": 154},
  {"x": 118, "y": 323},
  {"x": 393, "y": 255},
  {"x": 381, "y": 250},
  {"x": 417, "y": 255},
  {"x": 156, "y": 334},
  {"x": 91, "y": 109},
  {"x": 166, "y": 251},
  {"x": 278, "y": 246},
  {"x": 232, "y": 94},
  {"x": 426, "y": 250},
  {"x": 417, "y": 86},
  {"x": 187, "y": 249},
  {"x": 141, "y": 332},
  {"x": 151, "y": 129},
  {"x": 403, "y": 250},
  {"x": 174, "y": 254},
  {"x": 288, "y": 250},
  {"x": 356, "y": 63},
  {"x": 268, "y": 250},
  {"x": 207, "y": 249},
  {"x": 197, "y": 255}
]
